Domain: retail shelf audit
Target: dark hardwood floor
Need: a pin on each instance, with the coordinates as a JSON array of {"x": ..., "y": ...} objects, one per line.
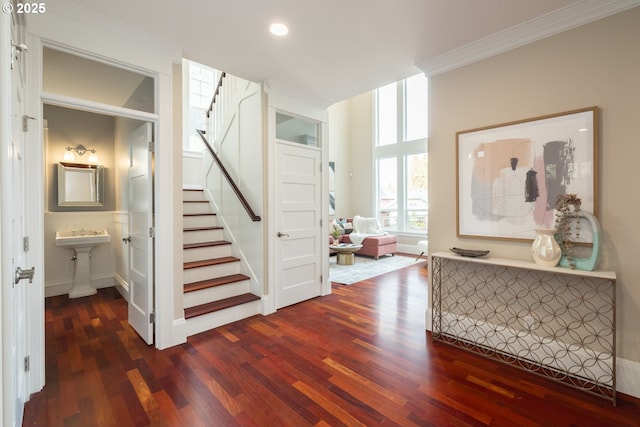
[{"x": 360, "y": 356}]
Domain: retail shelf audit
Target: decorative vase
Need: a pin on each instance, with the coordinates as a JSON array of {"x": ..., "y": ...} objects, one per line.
[
  {"x": 545, "y": 250},
  {"x": 589, "y": 263}
]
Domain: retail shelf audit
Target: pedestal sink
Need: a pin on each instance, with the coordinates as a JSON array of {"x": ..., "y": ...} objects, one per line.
[{"x": 82, "y": 241}]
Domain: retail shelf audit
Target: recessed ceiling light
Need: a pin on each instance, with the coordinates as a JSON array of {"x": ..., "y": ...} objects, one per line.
[{"x": 278, "y": 29}]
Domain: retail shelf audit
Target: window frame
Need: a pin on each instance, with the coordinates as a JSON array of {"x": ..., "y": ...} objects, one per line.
[
  {"x": 400, "y": 150},
  {"x": 187, "y": 149}
]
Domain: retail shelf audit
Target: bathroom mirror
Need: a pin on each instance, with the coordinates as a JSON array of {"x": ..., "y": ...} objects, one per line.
[{"x": 80, "y": 185}]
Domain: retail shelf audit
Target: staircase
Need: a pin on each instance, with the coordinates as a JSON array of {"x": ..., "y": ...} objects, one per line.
[{"x": 215, "y": 290}]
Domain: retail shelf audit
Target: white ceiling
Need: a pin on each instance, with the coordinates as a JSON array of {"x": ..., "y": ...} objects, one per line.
[{"x": 340, "y": 48}]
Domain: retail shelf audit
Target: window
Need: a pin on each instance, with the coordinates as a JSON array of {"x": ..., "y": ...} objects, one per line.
[
  {"x": 400, "y": 154},
  {"x": 199, "y": 89}
]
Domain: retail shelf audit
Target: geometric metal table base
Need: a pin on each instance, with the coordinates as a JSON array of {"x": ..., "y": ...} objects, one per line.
[{"x": 551, "y": 321}]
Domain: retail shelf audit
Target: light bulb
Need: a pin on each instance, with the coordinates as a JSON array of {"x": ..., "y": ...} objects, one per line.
[{"x": 278, "y": 29}]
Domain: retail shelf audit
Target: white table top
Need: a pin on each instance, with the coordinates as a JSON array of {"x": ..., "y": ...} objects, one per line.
[
  {"x": 529, "y": 265},
  {"x": 345, "y": 247}
]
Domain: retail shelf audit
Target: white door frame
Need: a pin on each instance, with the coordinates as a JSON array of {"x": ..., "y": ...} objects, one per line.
[
  {"x": 35, "y": 187},
  {"x": 276, "y": 102},
  {"x": 13, "y": 346},
  {"x": 35, "y": 210}
]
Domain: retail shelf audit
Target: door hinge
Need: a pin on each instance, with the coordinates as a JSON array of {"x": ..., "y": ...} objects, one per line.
[
  {"x": 25, "y": 243},
  {"x": 320, "y": 222},
  {"x": 152, "y": 317},
  {"x": 26, "y": 364},
  {"x": 321, "y": 278},
  {"x": 151, "y": 146},
  {"x": 152, "y": 232},
  {"x": 25, "y": 122}
]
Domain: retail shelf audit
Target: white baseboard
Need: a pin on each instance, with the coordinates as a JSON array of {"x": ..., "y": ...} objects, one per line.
[
  {"x": 122, "y": 286},
  {"x": 628, "y": 377},
  {"x": 268, "y": 305},
  {"x": 179, "y": 333},
  {"x": 61, "y": 287},
  {"x": 408, "y": 249}
]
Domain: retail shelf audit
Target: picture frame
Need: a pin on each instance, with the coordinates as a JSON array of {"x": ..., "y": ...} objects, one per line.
[{"x": 509, "y": 175}]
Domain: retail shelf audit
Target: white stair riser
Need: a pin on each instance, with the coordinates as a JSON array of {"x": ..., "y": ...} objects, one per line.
[
  {"x": 222, "y": 317},
  {"x": 216, "y": 293},
  {"x": 210, "y": 272},
  {"x": 202, "y": 236},
  {"x": 193, "y": 195},
  {"x": 198, "y": 324},
  {"x": 199, "y": 221},
  {"x": 209, "y": 252},
  {"x": 195, "y": 208}
]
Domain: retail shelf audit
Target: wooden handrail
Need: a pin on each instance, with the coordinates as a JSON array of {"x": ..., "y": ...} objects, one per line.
[
  {"x": 215, "y": 94},
  {"x": 234, "y": 187}
]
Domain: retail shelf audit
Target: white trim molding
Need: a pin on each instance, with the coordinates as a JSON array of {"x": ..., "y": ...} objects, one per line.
[
  {"x": 566, "y": 18},
  {"x": 628, "y": 377},
  {"x": 64, "y": 20}
]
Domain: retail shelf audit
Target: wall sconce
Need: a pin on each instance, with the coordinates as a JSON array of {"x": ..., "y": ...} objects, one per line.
[{"x": 80, "y": 151}]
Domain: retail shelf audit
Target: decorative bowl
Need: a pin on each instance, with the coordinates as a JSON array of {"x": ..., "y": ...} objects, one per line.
[{"x": 469, "y": 252}]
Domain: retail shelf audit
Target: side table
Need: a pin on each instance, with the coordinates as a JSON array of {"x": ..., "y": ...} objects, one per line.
[{"x": 346, "y": 252}]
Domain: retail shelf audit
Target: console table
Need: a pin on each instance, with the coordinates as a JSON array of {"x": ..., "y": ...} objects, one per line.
[{"x": 552, "y": 321}]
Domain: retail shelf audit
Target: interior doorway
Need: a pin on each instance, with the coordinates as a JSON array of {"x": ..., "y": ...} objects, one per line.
[
  {"x": 100, "y": 114},
  {"x": 124, "y": 209},
  {"x": 298, "y": 183}
]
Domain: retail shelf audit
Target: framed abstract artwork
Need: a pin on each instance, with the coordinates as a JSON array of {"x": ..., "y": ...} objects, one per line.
[{"x": 509, "y": 175}]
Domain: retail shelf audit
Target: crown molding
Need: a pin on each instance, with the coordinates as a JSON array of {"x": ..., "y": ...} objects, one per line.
[{"x": 572, "y": 16}]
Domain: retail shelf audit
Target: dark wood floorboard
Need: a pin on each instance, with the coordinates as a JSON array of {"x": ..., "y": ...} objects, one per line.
[{"x": 358, "y": 357}]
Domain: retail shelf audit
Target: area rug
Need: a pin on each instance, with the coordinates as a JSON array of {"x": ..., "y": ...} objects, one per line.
[{"x": 366, "y": 267}]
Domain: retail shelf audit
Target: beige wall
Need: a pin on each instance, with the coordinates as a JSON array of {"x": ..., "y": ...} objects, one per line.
[
  {"x": 350, "y": 146},
  {"x": 596, "y": 64},
  {"x": 361, "y": 155},
  {"x": 69, "y": 127},
  {"x": 339, "y": 153}
]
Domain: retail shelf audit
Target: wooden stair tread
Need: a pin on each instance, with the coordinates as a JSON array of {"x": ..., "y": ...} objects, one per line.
[
  {"x": 209, "y": 262},
  {"x": 200, "y": 214},
  {"x": 217, "y": 227},
  {"x": 206, "y": 244},
  {"x": 211, "y": 307},
  {"x": 211, "y": 283},
  {"x": 192, "y": 189}
]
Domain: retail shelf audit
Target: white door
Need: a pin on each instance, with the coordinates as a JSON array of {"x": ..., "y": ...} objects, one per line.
[
  {"x": 298, "y": 213},
  {"x": 140, "y": 232},
  {"x": 14, "y": 271}
]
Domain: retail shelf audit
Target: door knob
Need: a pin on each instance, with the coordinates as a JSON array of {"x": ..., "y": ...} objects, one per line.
[
  {"x": 127, "y": 239},
  {"x": 281, "y": 234},
  {"x": 24, "y": 274}
]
